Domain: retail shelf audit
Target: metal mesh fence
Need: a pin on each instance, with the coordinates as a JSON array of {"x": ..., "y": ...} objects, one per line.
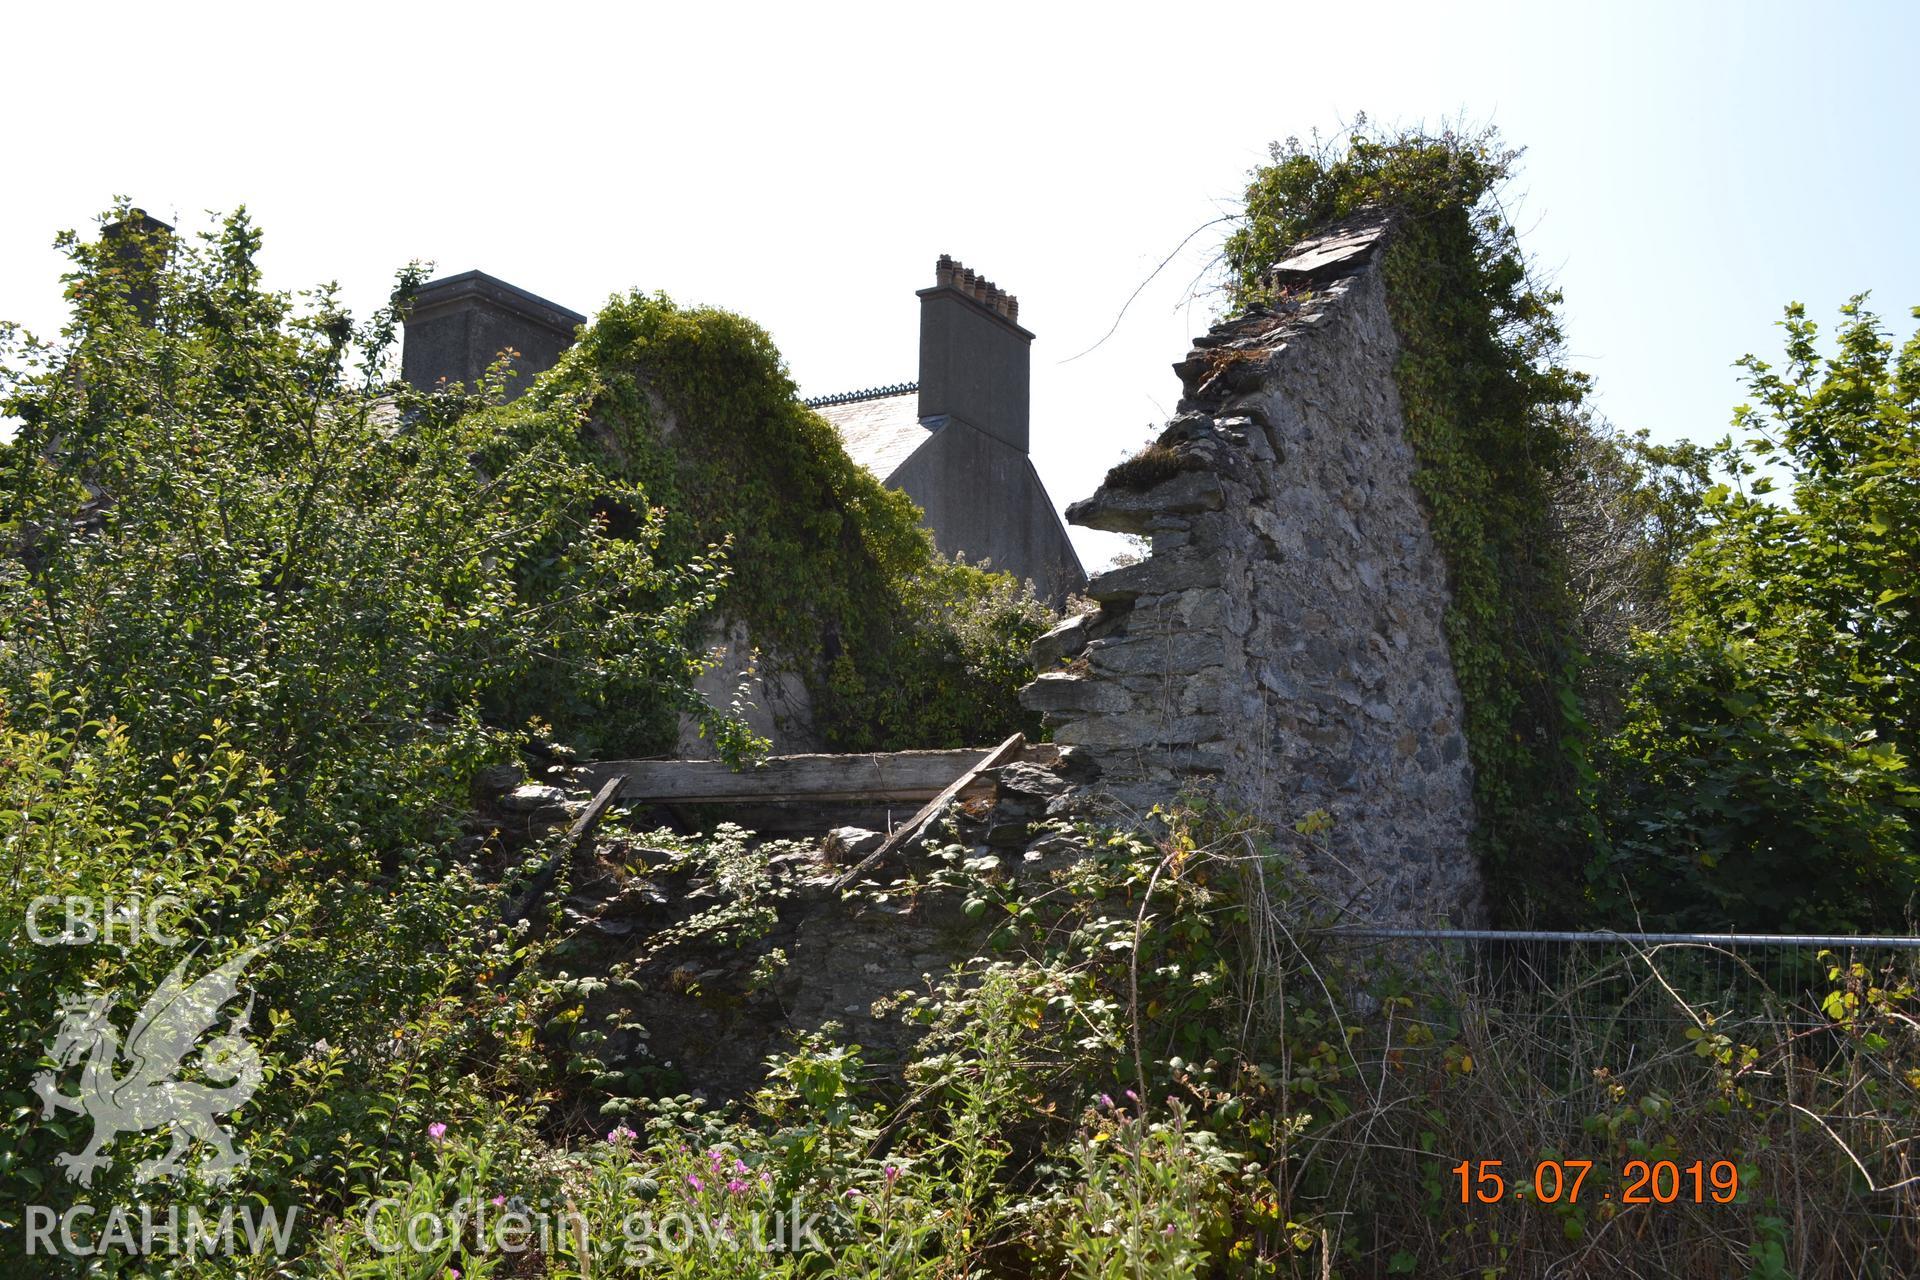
[
  {"x": 1794, "y": 1030},
  {"x": 1585, "y": 1000},
  {"x": 1640, "y": 983}
]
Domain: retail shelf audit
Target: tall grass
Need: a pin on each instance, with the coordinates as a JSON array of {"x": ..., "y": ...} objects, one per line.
[{"x": 1396, "y": 1062}]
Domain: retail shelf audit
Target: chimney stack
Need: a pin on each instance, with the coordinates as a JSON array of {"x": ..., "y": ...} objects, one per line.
[
  {"x": 457, "y": 327},
  {"x": 138, "y": 246},
  {"x": 974, "y": 356}
]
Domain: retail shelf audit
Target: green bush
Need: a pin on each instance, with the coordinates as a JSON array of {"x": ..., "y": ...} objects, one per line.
[
  {"x": 1763, "y": 774},
  {"x": 218, "y": 518},
  {"x": 380, "y": 1004}
]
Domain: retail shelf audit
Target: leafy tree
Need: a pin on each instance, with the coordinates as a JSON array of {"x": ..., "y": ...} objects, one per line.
[
  {"x": 1627, "y": 511},
  {"x": 224, "y": 514},
  {"x": 1764, "y": 772}
]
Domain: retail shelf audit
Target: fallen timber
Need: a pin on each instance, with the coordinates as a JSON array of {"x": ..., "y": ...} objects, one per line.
[
  {"x": 579, "y": 837},
  {"x": 917, "y": 826}
]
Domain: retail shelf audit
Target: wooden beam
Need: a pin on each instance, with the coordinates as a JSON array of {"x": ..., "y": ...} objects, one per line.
[
  {"x": 881, "y": 778},
  {"x": 912, "y": 829}
]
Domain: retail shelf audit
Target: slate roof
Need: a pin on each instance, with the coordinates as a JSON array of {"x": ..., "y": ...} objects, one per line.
[{"x": 880, "y": 430}]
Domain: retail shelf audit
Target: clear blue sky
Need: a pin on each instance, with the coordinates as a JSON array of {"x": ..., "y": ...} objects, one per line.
[{"x": 1690, "y": 168}]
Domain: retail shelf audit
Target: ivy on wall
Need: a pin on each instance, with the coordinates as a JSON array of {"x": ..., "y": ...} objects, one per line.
[
  {"x": 1489, "y": 411},
  {"x": 830, "y": 570}
]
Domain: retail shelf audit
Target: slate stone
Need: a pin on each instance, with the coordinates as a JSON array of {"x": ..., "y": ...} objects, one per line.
[
  {"x": 1181, "y": 570},
  {"x": 532, "y": 798},
  {"x": 1134, "y": 511},
  {"x": 1061, "y": 643}
]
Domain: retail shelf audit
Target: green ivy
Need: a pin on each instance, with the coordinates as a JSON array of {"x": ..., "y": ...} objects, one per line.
[
  {"x": 1489, "y": 410},
  {"x": 829, "y": 569}
]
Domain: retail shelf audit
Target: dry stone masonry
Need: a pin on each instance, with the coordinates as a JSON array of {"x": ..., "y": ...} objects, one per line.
[{"x": 1283, "y": 647}]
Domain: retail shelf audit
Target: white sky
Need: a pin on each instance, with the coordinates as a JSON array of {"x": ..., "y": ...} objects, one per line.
[{"x": 1690, "y": 168}]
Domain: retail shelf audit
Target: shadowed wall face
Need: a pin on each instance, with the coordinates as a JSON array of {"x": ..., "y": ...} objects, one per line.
[
  {"x": 984, "y": 500},
  {"x": 456, "y": 328}
]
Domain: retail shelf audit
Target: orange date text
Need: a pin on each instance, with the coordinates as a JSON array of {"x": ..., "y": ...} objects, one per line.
[{"x": 1640, "y": 1182}]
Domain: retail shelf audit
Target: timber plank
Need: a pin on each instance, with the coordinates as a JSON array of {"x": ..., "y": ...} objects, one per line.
[{"x": 876, "y": 778}]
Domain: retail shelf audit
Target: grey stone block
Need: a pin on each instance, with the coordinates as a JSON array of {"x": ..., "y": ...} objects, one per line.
[
  {"x": 1181, "y": 570},
  {"x": 1134, "y": 511},
  {"x": 1058, "y": 691},
  {"x": 1063, "y": 642}
]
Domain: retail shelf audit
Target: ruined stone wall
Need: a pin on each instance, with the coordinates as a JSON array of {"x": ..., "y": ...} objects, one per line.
[{"x": 1284, "y": 645}]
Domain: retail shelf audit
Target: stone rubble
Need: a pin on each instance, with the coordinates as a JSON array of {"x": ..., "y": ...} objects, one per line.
[{"x": 700, "y": 1001}]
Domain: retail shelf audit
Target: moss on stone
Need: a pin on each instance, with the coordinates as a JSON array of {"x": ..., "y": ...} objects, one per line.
[{"x": 1153, "y": 465}]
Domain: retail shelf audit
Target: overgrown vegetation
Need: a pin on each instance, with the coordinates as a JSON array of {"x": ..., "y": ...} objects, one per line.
[
  {"x": 265, "y": 616},
  {"x": 1151, "y": 466},
  {"x": 1156, "y": 1066},
  {"x": 1626, "y": 510},
  {"x": 830, "y": 569},
  {"x": 1490, "y": 410},
  {"x": 218, "y": 525},
  {"x": 1688, "y": 703},
  {"x": 1763, "y": 773},
  {"x": 385, "y": 997}
]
